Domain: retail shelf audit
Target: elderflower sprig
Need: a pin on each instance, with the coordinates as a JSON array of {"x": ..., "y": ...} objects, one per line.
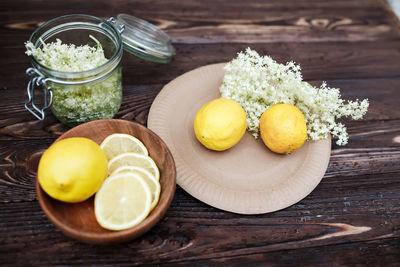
[
  {"x": 258, "y": 82},
  {"x": 67, "y": 57}
]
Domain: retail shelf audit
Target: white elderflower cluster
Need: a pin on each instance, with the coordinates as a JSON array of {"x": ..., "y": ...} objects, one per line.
[
  {"x": 67, "y": 57},
  {"x": 257, "y": 83}
]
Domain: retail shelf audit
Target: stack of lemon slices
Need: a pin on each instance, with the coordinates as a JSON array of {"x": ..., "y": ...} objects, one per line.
[{"x": 132, "y": 188}]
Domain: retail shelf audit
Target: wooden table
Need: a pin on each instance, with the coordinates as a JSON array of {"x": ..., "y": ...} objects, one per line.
[{"x": 352, "y": 217}]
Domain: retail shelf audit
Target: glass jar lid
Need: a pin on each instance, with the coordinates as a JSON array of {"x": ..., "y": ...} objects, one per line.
[{"x": 144, "y": 39}]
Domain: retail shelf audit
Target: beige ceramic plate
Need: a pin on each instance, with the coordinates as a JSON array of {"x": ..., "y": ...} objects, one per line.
[{"x": 248, "y": 178}]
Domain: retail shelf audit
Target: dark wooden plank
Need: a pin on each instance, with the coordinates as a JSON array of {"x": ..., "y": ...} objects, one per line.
[
  {"x": 330, "y": 60},
  {"x": 262, "y": 25},
  {"x": 383, "y": 252},
  {"x": 221, "y": 21},
  {"x": 193, "y": 231}
]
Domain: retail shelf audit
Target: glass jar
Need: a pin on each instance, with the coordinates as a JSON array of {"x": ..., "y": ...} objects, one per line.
[{"x": 78, "y": 97}]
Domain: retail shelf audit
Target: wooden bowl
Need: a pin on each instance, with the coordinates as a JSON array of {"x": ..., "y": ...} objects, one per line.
[{"x": 77, "y": 220}]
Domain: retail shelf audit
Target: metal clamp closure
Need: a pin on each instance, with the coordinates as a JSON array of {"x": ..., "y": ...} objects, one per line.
[
  {"x": 120, "y": 28},
  {"x": 38, "y": 79}
]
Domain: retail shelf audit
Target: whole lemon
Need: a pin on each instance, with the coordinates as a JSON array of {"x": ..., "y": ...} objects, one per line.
[
  {"x": 72, "y": 169},
  {"x": 283, "y": 128},
  {"x": 220, "y": 124}
]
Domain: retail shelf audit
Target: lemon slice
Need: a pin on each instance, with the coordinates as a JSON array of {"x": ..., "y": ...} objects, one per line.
[
  {"x": 116, "y": 144},
  {"x": 151, "y": 181},
  {"x": 135, "y": 160},
  {"x": 123, "y": 201}
]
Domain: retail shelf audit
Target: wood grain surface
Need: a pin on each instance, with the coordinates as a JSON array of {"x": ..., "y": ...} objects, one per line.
[{"x": 351, "y": 218}]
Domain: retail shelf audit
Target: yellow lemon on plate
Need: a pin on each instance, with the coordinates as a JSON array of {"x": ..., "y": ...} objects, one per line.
[
  {"x": 283, "y": 128},
  {"x": 220, "y": 124},
  {"x": 72, "y": 169}
]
